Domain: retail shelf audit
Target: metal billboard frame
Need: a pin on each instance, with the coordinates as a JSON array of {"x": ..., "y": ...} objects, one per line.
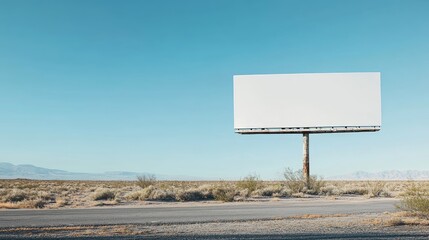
[{"x": 307, "y": 130}]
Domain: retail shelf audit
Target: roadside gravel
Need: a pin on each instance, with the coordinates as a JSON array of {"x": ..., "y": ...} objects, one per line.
[{"x": 355, "y": 226}]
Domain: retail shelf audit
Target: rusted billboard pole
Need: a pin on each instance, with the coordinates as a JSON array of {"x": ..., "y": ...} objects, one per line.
[{"x": 306, "y": 158}]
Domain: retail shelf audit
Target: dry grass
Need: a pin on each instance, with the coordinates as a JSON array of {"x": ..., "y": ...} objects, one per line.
[
  {"x": 416, "y": 199},
  {"x": 76, "y": 231},
  {"x": 23, "y": 204},
  {"x": 400, "y": 218},
  {"x": 395, "y": 221},
  {"x": 415, "y": 206},
  {"x": 315, "y": 216},
  {"x": 22, "y": 193}
]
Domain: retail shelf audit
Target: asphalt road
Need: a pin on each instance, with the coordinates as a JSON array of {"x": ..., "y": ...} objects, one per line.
[{"x": 190, "y": 213}]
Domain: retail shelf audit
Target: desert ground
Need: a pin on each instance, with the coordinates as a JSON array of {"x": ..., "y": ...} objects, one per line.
[
  {"x": 44, "y": 194},
  {"x": 245, "y": 209}
]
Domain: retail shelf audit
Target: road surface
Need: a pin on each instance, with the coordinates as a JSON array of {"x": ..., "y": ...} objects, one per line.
[{"x": 192, "y": 213}]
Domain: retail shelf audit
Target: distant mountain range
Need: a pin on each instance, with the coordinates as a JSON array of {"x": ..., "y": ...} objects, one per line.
[
  {"x": 11, "y": 171},
  {"x": 385, "y": 175}
]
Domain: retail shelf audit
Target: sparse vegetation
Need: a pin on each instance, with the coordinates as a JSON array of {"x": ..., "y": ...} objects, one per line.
[
  {"x": 376, "y": 188},
  {"x": 316, "y": 185},
  {"x": 162, "y": 195},
  {"x": 353, "y": 189},
  {"x": 16, "y": 195},
  {"x": 416, "y": 199},
  {"x": 401, "y": 218},
  {"x": 294, "y": 180},
  {"x": 297, "y": 184},
  {"x": 103, "y": 194},
  {"x": 224, "y": 194},
  {"x": 250, "y": 182},
  {"x": 269, "y": 191},
  {"x": 414, "y": 203},
  {"x": 71, "y": 194},
  {"x": 141, "y": 195},
  {"x": 190, "y": 195}
]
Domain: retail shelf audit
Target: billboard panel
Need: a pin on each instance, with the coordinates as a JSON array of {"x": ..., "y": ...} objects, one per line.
[{"x": 311, "y": 102}]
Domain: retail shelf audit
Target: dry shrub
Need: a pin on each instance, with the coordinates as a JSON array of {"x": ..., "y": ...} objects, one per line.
[
  {"x": 141, "y": 194},
  {"x": 316, "y": 184},
  {"x": 16, "y": 196},
  {"x": 61, "y": 202},
  {"x": 376, "y": 188},
  {"x": 250, "y": 182},
  {"x": 330, "y": 190},
  {"x": 207, "y": 191},
  {"x": 136, "y": 195},
  {"x": 298, "y": 195},
  {"x": 268, "y": 191},
  {"x": 224, "y": 194},
  {"x": 34, "y": 204},
  {"x": 356, "y": 190},
  {"x": 190, "y": 195},
  {"x": 244, "y": 193},
  {"x": 416, "y": 199},
  {"x": 161, "y": 195},
  {"x": 151, "y": 193},
  {"x": 24, "y": 204},
  {"x": 284, "y": 192},
  {"x": 203, "y": 192},
  {"x": 145, "y": 181},
  {"x": 46, "y": 196},
  {"x": 296, "y": 182},
  {"x": 103, "y": 194}
]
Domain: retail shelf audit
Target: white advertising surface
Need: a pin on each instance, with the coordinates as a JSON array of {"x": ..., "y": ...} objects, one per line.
[{"x": 314, "y": 100}]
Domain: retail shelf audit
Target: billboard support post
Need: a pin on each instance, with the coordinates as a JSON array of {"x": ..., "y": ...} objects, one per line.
[{"x": 306, "y": 158}]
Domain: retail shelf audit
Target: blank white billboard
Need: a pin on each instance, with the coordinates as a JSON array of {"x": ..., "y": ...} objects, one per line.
[{"x": 315, "y": 100}]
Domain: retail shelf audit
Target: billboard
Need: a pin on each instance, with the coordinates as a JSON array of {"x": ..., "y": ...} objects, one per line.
[{"x": 310, "y": 102}]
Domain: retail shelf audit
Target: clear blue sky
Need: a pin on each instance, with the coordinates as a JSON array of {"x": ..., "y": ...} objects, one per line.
[{"x": 95, "y": 86}]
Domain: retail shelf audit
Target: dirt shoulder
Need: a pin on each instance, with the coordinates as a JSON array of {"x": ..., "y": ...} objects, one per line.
[{"x": 376, "y": 225}]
